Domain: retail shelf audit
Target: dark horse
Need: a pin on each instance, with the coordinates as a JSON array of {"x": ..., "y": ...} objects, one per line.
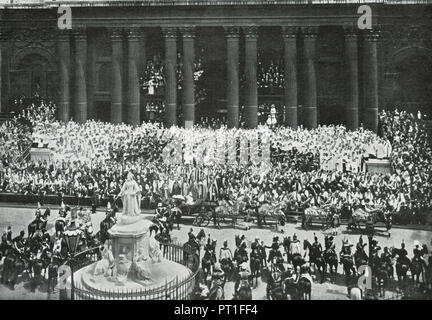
[
  {"x": 244, "y": 291},
  {"x": 316, "y": 258},
  {"x": 402, "y": 266},
  {"x": 255, "y": 265},
  {"x": 275, "y": 289},
  {"x": 14, "y": 264},
  {"x": 53, "y": 273},
  {"x": 39, "y": 223},
  {"x": 304, "y": 288},
  {"x": 207, "y": 261},
  {"x": 331, "y": 260}
]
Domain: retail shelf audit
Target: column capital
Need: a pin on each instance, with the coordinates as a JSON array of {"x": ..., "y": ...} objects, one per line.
[
  {"x": 133, "y": 33},
  {"x": 372, "y": 35},
  {"x": 289, "y": 32},
  {"x": 62, "y": 35},
  {"x": 187, "y": 32},
  {"x": 80, "y": 33},
  {"x": 116, "y": 34},
  {"x": 350, "y": 32},
  {"x": 250, "y": 32},
  {"x": 310, "y": 32},
  {"x": 232, "y": 32},
  {"x": 169, "y": 32}
]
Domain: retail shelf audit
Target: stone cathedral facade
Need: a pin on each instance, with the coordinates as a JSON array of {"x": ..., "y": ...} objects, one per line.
[{"x": 333, "y": 71}]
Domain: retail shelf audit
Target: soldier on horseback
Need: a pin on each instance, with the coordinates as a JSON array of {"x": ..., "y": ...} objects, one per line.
[
  {"x": 218, "y": 276},
  {"x": 386, "y": 259},
  {"x": 316, "y": 248},
  {"x": 346, "y": 257},
  {"x": 240, "y": 254},
  {"x": 360, "y": 256},
  {"x": 261, "y": 251},
  {"x": 242, "y": 283},
  {"x": 418, "y": 253},
  {"x": 19, "y": 242},
  {"x": 226, "y": 257},
  {"x": 275, "y": 257},
  {"x": 329, "y": 245}
]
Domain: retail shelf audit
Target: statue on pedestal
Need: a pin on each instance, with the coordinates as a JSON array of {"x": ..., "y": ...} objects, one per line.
[{"x": 130, "y": 194}]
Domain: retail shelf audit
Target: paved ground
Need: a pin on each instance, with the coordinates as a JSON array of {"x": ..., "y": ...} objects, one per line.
[{"x": 19, "y": 218}]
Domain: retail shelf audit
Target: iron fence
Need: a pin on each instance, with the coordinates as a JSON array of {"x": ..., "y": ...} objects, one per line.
[{"x": 181, "y": 288}]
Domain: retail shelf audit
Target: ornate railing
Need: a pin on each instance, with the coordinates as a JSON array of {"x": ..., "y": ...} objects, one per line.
[{"x": 177, "y": 289}]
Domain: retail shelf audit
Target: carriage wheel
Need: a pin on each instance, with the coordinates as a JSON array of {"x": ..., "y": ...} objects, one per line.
[
  {"x": 206, "y": 221},
  {"x": 197, "y": 221}
]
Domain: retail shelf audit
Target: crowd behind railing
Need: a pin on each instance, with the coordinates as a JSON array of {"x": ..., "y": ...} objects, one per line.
[{"x": 309, "y": 167}]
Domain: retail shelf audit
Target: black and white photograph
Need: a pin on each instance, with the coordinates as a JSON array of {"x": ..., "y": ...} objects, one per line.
[{"x": 216, "y": 150}]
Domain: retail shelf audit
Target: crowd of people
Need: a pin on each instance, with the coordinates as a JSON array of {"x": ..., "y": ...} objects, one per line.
[{"x": 308, "y": 167}]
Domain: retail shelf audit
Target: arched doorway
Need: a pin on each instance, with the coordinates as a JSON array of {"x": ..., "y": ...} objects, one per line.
[
  {"x": 412, "y": 89},
  {"x": 33, "y": 73}
]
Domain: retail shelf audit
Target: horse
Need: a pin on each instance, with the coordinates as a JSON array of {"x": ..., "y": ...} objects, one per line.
[
  {"x": 297, "y": 261},
  {"x": 304, "y": 288},
  {"x": 382, "y": 274},
  {"x": 417, "y": 269},
  {"x": 286, "y": 244},
  {"x": 261, "y": 213},
  {"x": 207, "y": 262},
  {"x": 60, "y": 225},
  {"x": 216, "y": 292},
  {"x": 331, "y": 260},
  {"x": 315, "y": 258},
  {"x": 255, "y": 266},
  {"x": 38, "y": 224},
  {"x": 189, "y": 249},
  {"x": 275, "y": 289},
  {"x": 244, "y": 291},
  {"x": 14, "y": 264},
  {"x": 36, "y": 266},
  {"x": 360, "y": 258}
]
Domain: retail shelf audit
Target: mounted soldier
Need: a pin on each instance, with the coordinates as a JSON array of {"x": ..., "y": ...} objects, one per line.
[
  {"x": 226, "y": 259},
  {"x": 275, "y": 257},
  {"x": 240, "y": 254},
  {"x": 242, "y": 287}
]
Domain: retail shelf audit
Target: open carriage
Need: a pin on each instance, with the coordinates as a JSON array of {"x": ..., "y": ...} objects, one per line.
[
  {"x": 325, "y": 217},
  {"x": 370, "y": 221}
]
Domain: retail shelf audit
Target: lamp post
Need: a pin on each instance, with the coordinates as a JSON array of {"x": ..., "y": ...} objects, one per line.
[{"x": 72, "y": 236}]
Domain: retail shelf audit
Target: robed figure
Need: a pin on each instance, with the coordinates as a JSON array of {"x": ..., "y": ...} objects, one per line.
[{"x": 130, "y": 193}]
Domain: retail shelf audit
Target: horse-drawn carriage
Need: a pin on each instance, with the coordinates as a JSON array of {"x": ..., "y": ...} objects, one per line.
[
  {"x": 326, "y": 217},
  {"x": 370, "y": 220}
]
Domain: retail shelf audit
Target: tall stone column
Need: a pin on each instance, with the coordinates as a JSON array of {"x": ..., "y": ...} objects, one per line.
[
  {"x": 80, "y": 103},
  {"x": 370, "y": 78},
  {"x": 232, "y": 36},
  {"x": 251, "y": 106},
  {"x": 63, "y": 51},
  {"x": 188, "y": 96},
  {"x": 289, "y": 35},
  {"x": 352, "y": 94},
  {"x": 117, "y": 73},
  {"x": 133, "y": 104},
  {"x": 170, "y": 35},
  {"x": 310, "y": 92}
]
